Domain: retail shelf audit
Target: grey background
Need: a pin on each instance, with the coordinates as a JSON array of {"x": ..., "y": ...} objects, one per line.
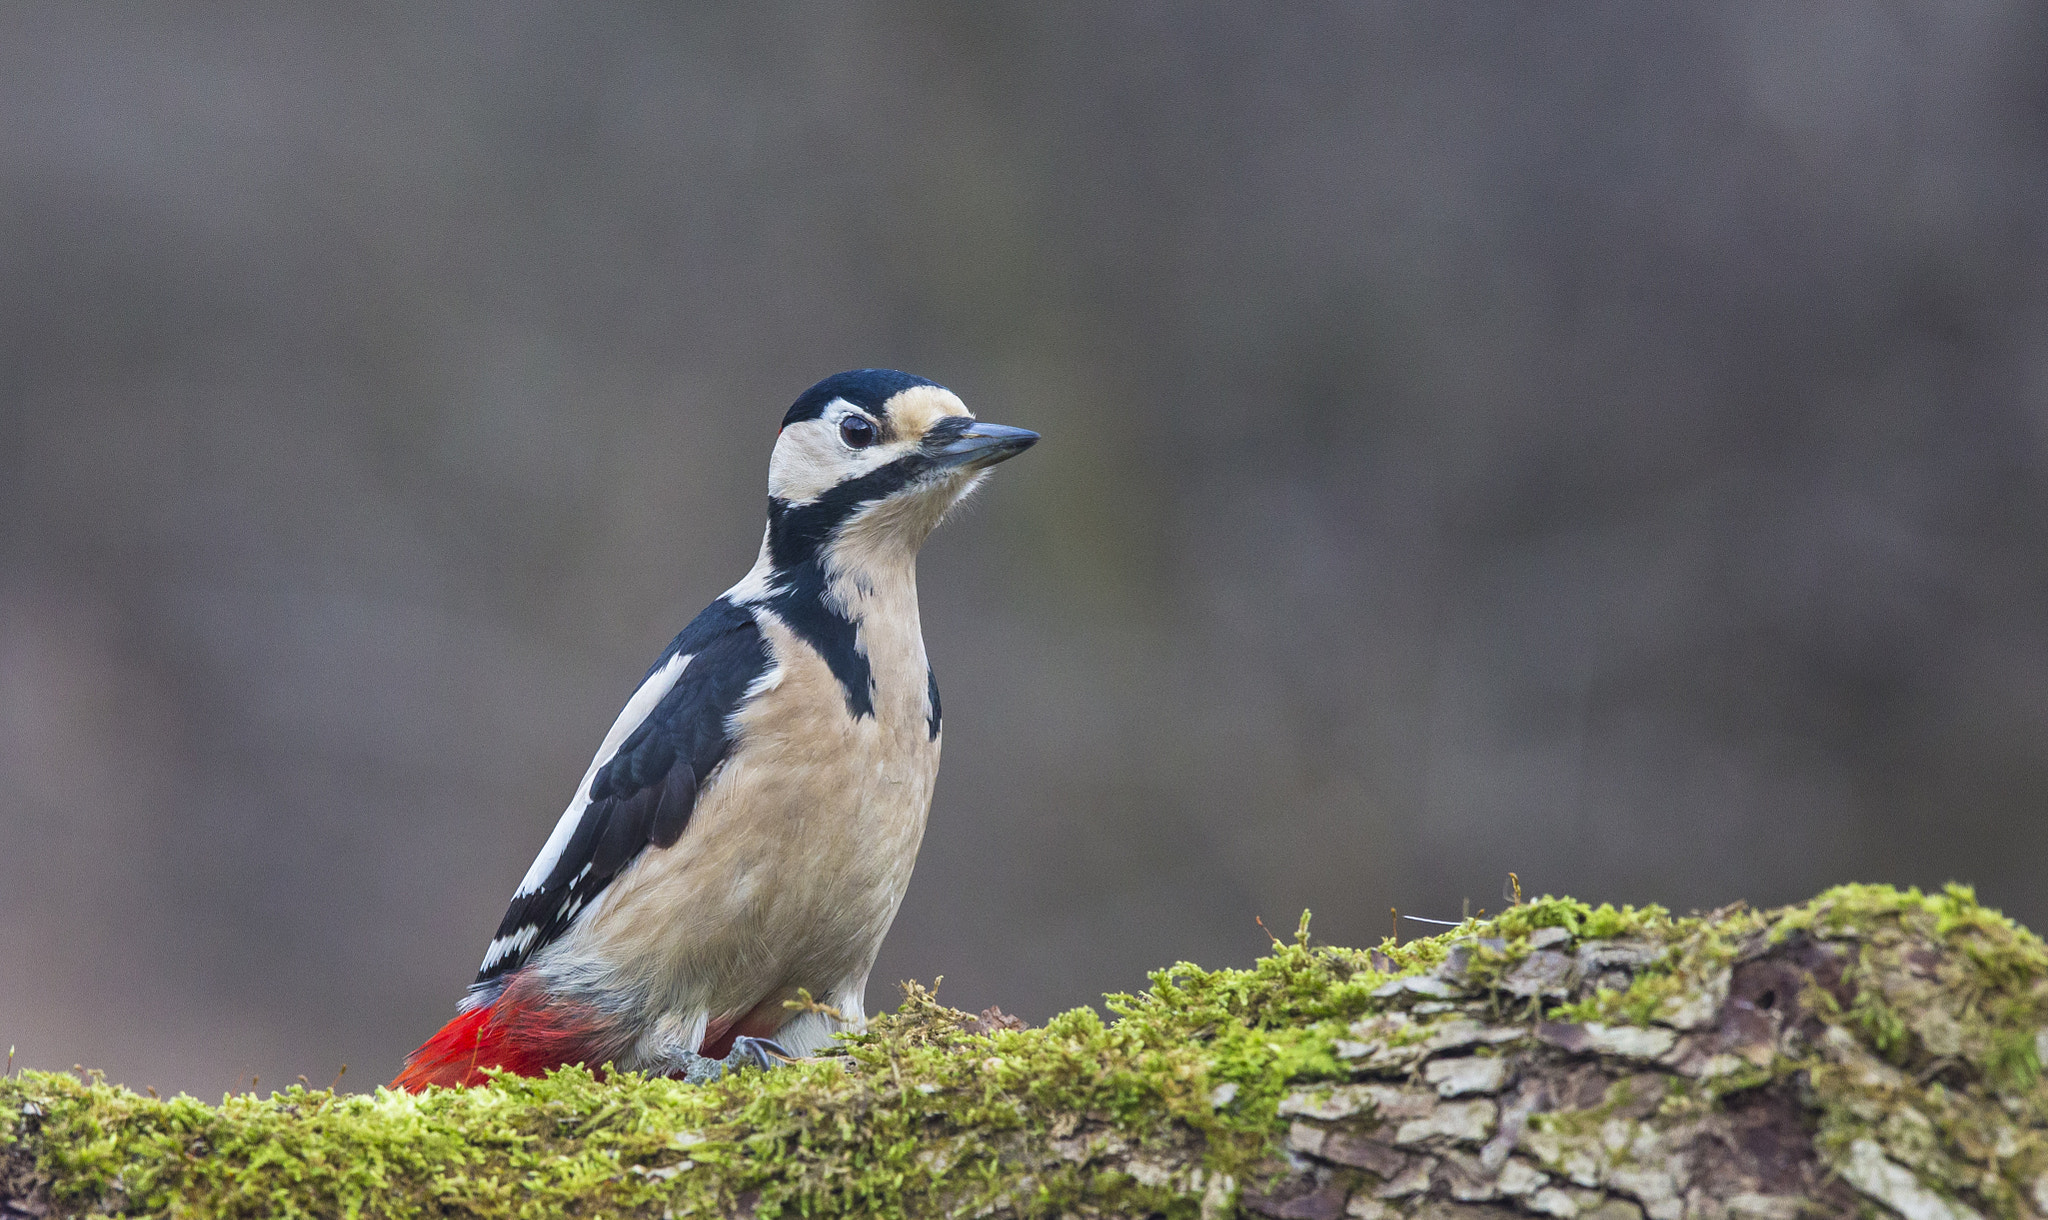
[{"x": 1603, "y": 442}]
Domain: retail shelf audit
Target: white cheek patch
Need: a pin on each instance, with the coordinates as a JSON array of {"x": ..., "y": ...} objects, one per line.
[
  {"x": 811, "y": 460},
  {"x": 806, "y": 461}
]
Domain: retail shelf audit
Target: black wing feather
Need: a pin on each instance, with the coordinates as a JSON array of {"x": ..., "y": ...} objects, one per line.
[{"x": 645, "y": 792}]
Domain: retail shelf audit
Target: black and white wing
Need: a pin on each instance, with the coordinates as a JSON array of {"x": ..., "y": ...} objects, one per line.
[{"x": 643, "y": 783}]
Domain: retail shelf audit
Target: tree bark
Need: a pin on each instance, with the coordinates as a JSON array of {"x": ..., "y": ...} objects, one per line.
[{"x": 1868, "y": 1053}]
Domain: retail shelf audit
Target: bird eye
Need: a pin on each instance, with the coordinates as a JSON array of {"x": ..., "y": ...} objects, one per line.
[{"x": 857, "y": 432}]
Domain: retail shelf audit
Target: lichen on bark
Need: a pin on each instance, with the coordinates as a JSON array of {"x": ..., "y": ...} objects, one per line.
[{"x": 1871, "y": 1052}]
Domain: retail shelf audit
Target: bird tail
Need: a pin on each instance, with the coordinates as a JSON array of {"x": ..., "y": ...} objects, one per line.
[{"x": 516, "y": 1033}]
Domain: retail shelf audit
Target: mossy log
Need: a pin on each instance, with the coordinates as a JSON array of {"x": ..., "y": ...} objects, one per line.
[{"x": 1872, "y": 1052}]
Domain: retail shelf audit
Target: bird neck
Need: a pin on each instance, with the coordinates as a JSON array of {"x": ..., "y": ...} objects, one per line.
[
  {"x": 849, "y": 577},
  {"x": 855, "y": 605}
]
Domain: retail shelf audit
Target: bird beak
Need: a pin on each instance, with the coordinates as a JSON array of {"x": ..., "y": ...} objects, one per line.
[{"x": 981, "y": 444}]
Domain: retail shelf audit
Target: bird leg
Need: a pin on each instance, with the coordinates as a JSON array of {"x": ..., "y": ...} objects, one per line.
[{"x": 763, "y": 1053}]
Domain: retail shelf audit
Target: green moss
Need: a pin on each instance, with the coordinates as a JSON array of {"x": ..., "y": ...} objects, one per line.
[
  {"x": 1697, "y": 950},
  {"x": 912, "y": 1114},
  {"x": 1944, "y": 1004},
  {"x": 1604, "y": 922},
  {"x": 1951, "y": 994},
  {"x": 1882, "y": 1025}
]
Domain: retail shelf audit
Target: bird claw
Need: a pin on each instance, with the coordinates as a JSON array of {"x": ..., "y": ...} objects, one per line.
[{"x": 763, "y": 1053}]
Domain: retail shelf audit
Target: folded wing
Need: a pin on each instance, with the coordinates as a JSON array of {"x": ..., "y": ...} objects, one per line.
[{"x": 642, "y": 785}]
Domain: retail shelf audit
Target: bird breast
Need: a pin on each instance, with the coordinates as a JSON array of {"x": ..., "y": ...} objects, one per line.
[{"x": 800, "y": 847}]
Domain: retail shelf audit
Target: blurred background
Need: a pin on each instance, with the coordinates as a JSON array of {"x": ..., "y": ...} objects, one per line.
[{"x": 1608, "y": 443}]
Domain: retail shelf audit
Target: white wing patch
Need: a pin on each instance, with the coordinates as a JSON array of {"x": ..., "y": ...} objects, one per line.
[
  {"x": 651, "y": 692},
  {"x": 506, "y": 946}
]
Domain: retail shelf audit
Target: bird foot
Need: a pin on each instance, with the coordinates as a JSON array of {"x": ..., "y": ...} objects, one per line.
[{"x": 762, "y": 1053}]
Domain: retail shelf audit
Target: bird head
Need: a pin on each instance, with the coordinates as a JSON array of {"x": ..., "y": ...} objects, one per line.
[{"x": 870, "y": 460}]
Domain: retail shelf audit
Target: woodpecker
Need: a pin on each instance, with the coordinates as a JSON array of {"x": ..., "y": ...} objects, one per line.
[{"x": 748, "y": 826}]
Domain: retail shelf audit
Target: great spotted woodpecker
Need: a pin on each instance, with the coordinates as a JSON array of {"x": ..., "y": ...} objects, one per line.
[{"x": 749, "y": 824}]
